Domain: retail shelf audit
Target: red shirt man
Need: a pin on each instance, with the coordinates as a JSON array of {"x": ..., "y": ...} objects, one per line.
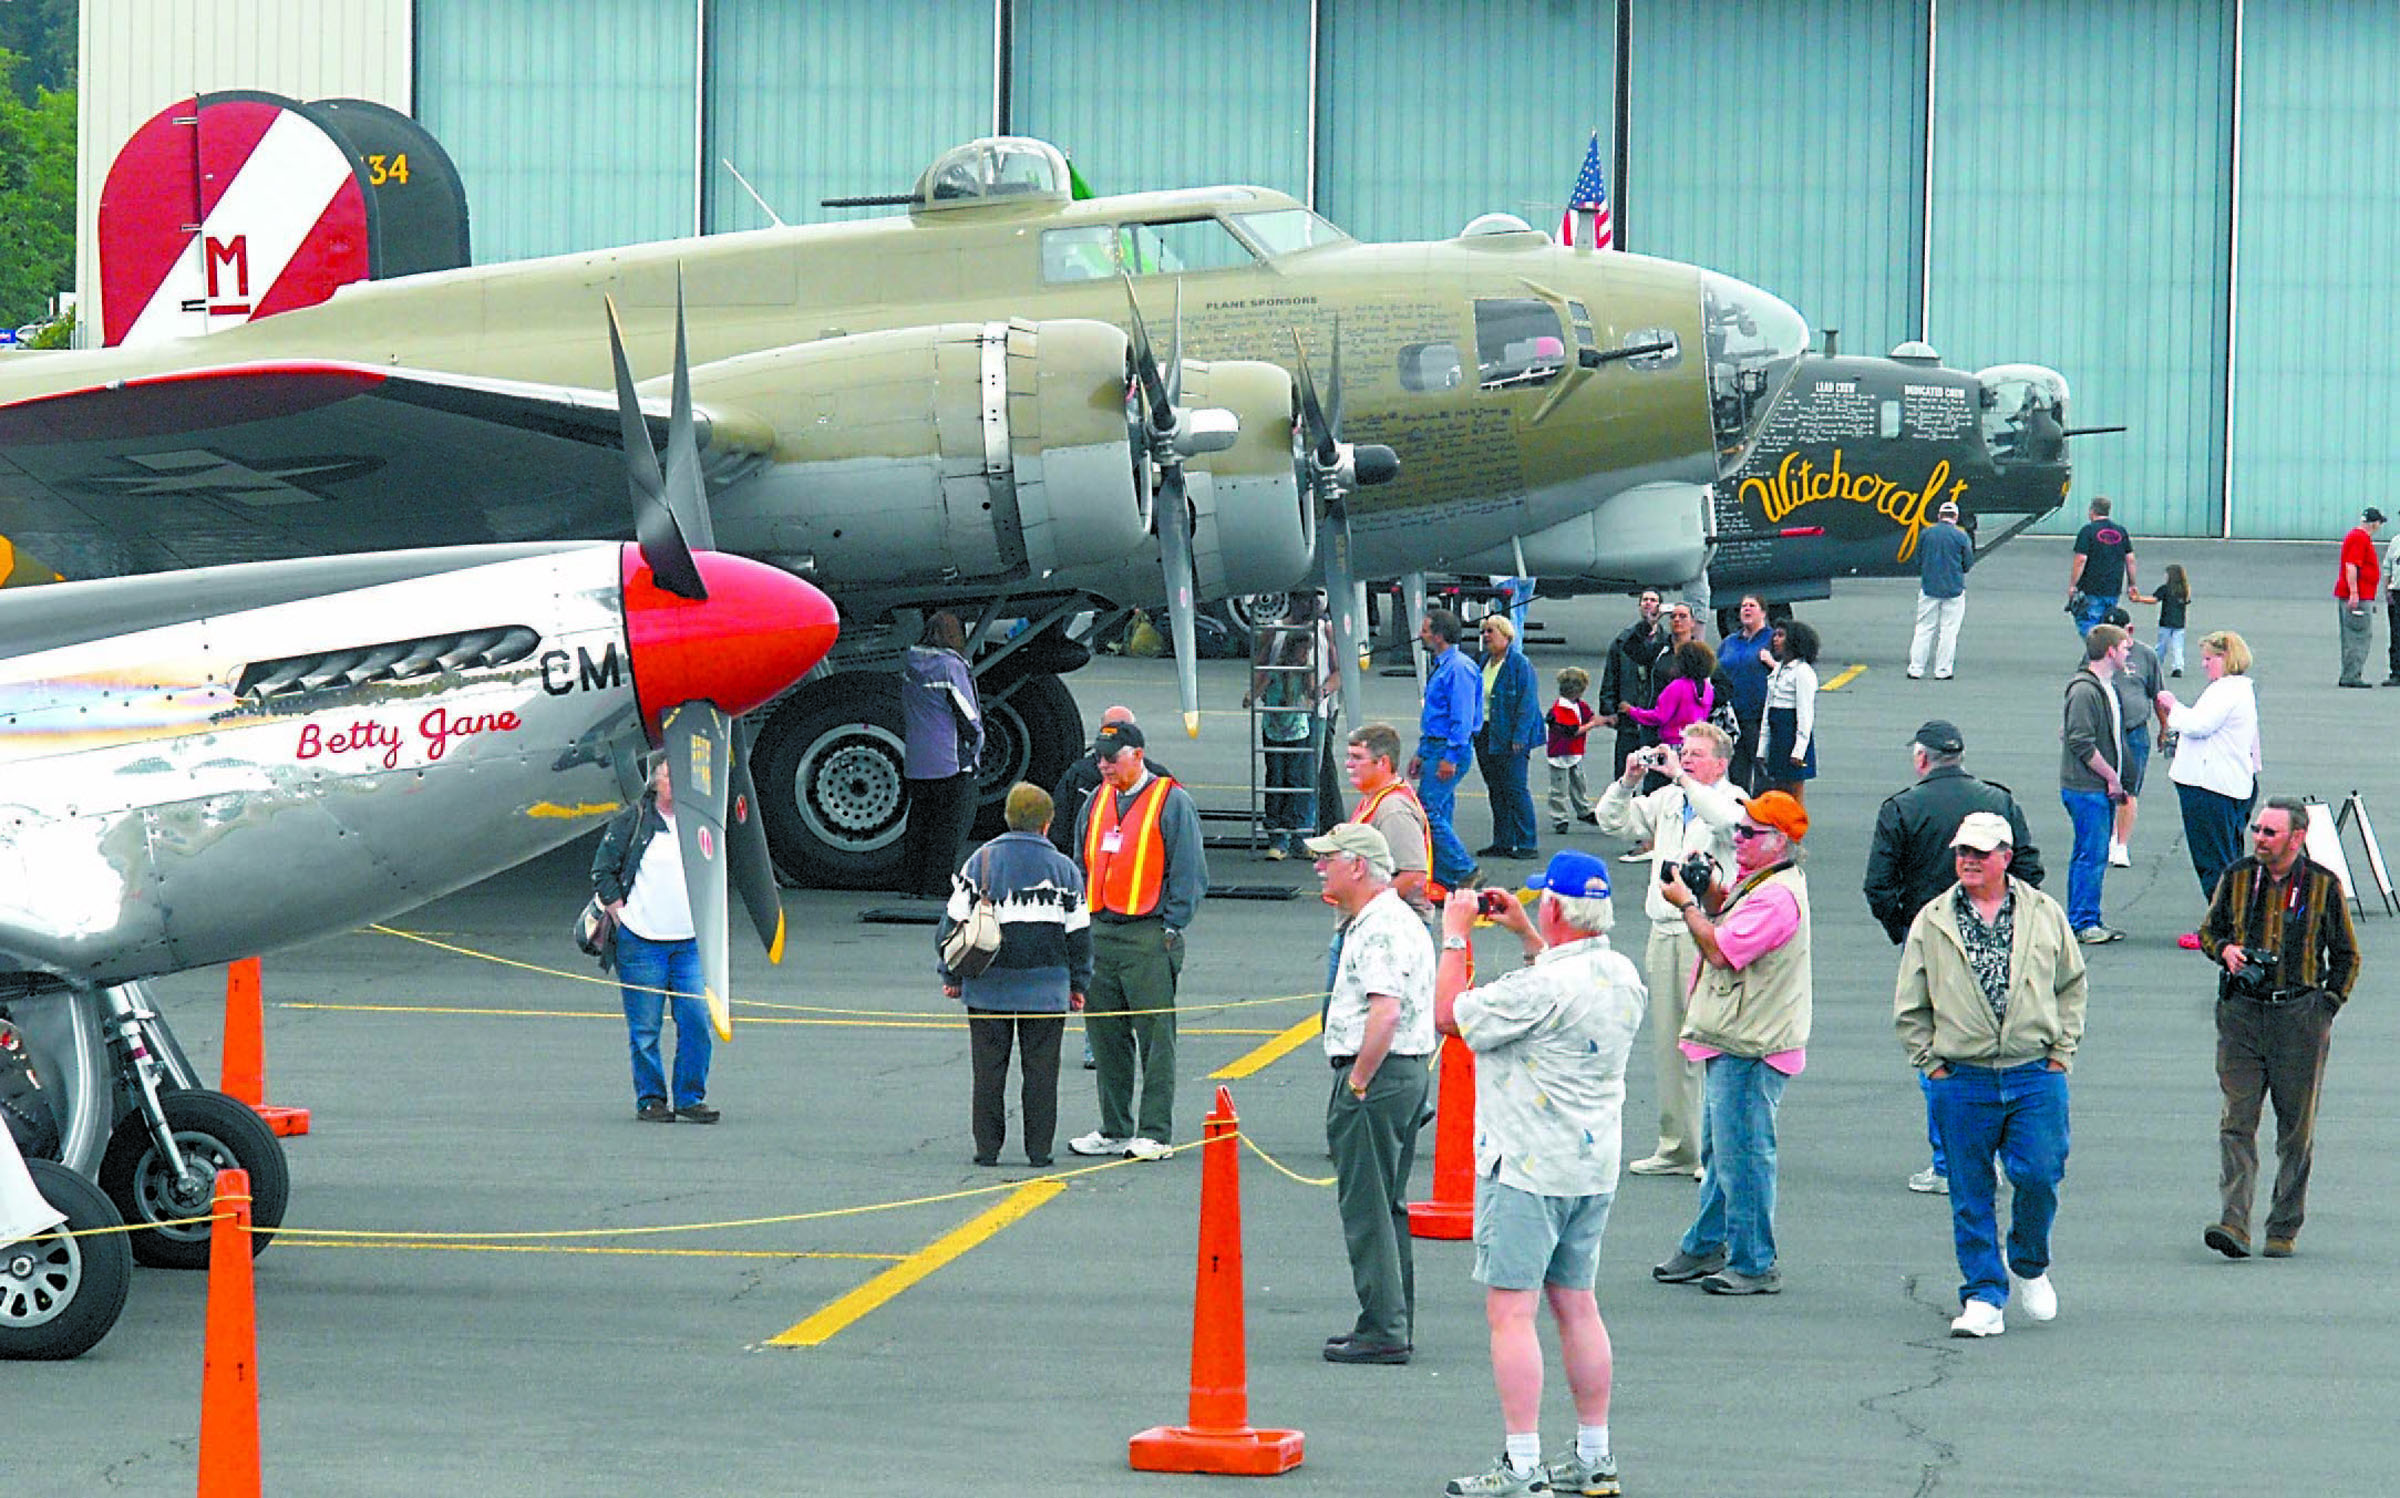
[{"x": 2360, "y": 574}]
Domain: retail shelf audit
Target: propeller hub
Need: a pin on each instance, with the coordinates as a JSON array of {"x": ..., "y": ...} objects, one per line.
[{"x": 758, "y": 631}]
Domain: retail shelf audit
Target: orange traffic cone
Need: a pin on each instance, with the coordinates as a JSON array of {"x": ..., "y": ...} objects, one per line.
[
  {"x": 1219, "y": 1438},
  {"x": 229, "y": 1367},
  {"x": 245, "y": 1072},
  {"x": 1451, "y": 1212}
]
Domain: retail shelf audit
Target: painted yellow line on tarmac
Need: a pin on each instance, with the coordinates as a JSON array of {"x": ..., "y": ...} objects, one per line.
[
  {"x": 838, "y": 1314},
  {"x": 1270, "y": 1053},
  {"x": 286, "y": 1240},
  {"x": 747, "y": 1019},
  {"x": 1847, "y": 677}
]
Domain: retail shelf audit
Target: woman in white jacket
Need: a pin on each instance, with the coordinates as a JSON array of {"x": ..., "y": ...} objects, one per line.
[{"x": 2217, "y": 757}]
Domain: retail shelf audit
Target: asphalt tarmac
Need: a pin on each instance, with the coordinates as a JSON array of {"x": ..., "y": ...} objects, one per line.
[{"x": 454, "y": 1094}]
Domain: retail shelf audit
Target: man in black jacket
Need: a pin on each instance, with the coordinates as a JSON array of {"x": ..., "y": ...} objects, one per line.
[
  {"x": 1626, "y": 681},
  {"x": 1911, "y": 860}
]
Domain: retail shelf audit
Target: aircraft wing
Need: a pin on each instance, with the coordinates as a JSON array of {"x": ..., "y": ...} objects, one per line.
[{"x": 250, "y": 462}]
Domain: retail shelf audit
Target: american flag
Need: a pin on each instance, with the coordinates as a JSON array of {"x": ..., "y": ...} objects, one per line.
[{"x": 1589, "y": 195}]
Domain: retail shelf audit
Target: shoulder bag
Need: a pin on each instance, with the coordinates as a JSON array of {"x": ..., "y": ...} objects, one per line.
[{"x": 972, "y": 944}]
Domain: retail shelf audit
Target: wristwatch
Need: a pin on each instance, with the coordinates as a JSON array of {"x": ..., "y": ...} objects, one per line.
[{"x": 1454, "y": 943}]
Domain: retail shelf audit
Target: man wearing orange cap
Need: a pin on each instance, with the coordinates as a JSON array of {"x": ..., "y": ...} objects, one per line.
[{"x": 1747, "y": 1019}]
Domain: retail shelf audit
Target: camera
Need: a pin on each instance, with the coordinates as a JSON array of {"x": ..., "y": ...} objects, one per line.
[
  {"x": 1490, "y": 903},
  {"x": 1698, "y": 872},
  {"x": 2256, "y": 980}
]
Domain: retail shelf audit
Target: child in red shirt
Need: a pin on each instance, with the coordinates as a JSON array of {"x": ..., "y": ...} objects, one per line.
[{"x": 1569, "y": 719}]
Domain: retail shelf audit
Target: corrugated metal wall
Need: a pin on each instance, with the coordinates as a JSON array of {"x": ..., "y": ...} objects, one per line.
[
  {"x": 568, "y": 133},
  {"x": 1784, "y": 147},
  {"x": 828, "y": 101},
  {"x": 1147, "y": 98},
  {"x": 1431, "y": 115},
  {"x": 2317, "y": 393},
  {"x": 2080, "y": 197},
  {"x": 139, "y": 56}
]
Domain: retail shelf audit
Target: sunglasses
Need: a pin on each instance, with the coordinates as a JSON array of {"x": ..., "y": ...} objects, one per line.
[
  {"x": 1745, "y": 833},
  {"x": 2263, "y": 830}
]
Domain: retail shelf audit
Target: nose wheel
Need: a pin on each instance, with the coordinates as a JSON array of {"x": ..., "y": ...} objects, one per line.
[{"x": 214, "y": 1133}]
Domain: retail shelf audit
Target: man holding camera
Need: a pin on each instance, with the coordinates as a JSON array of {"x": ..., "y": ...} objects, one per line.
[
  {"x": 2280, "y": 929},
  {"x": 1692, "y": 815},
  {"x": 1550, "y": 1043},
  {"x": 1748, "y": 1021},
  {"x": 1989, "y": 1007}
]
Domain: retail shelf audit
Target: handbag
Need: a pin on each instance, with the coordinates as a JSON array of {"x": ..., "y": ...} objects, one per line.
[
  {"x": 972, "y": 944},
  {"x": 1723, "y": 715},
  {"x": 596, "y": 933}
]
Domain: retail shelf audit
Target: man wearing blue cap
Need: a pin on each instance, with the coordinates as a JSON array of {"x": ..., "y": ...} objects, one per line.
[{"x": 1550, "y": 1043}]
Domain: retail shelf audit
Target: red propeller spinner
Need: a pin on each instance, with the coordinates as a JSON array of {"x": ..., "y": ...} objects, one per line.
[{"x": 759, "y": 630}]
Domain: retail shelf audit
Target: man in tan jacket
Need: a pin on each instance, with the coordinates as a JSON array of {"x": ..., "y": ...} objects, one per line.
[{"x": 1990, "y": 1008}]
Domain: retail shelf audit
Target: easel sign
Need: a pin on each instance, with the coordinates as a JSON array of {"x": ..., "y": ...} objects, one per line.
[
  {"x": 2354, "y": 810},
  {"x": 2324, "y": 845}
]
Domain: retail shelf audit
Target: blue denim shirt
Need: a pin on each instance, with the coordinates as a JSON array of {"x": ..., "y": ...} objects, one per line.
[
  {"x": 1453, "y": 705},
  {"x": 1944, "y": 555},
  {"x": 1514, "y": 715}
]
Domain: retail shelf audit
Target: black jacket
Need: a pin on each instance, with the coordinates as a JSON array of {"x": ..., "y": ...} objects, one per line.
[
  {"x": 619, "y": 856},
  {"x": 1627, "y": 680},
  {"x": 1911, "y": 861}
]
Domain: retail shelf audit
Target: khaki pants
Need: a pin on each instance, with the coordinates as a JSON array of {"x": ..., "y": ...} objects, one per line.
[
  {"x": 1667, "y": 965},
  {"x": 2269, "y": 1053}
]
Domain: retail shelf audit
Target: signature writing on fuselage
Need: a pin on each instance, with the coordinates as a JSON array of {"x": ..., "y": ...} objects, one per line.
[
  {"x": 435, "y": 733},
  {"x": 1798, "y": 482}
]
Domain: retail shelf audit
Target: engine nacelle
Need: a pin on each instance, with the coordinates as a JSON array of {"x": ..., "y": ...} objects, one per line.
[
  {"x": 1253, "y": 530},
  {"x": 937, "y": 454}
]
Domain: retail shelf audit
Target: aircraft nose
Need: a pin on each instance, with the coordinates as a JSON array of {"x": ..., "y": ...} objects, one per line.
[{"x": 759, "y": 630}]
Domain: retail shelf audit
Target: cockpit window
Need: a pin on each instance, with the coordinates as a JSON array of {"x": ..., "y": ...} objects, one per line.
[
  {"x": 1518, "y": 341},
  {"x": 1088, "y": 253},
  {"x": 1430, "y": 366},
  {"x": 1173, "y": 248},
  {"x": 1285, "y": 231},
  {"x": 2024, "y": 414},
  {"x": 1754, "y": 343}
]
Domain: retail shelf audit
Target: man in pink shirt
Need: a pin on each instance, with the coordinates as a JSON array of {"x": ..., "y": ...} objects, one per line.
[
  {"x": 1748, "y": 1020},
  {"x": 2356, "y": 581}
]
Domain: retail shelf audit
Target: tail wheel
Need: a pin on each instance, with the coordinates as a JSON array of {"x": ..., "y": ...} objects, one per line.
[
  {"x": 214, "y": 1133},
  {"x": 59, "y": 1294}
]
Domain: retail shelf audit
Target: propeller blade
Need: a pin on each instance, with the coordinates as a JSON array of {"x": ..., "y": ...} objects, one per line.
[
  {"x": 1175, "y": 351},
  {"x": 655, "y": 525},
  {"x": 1175, "y": 562},
  {"x": 686, "y": 492},
  {"x": 699, "y": 739},
  {"x": 1156, "y": 398},
  {"x": 1312, "y": 410},
  {"x": 1333, "y": 384},
  {"x": 1341, "y": 598},
  {"x": 749, "y": 862}
]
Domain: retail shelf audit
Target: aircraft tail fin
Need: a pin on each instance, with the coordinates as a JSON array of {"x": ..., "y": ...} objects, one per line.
[{"x": 239, "y": 205}]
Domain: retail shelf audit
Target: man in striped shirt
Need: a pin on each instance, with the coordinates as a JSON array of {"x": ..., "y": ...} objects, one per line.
[{"x": 2280, "y": 930}]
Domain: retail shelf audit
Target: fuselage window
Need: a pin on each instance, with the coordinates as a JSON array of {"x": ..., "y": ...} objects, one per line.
[
  {"x": 1283, "y": 231},
  {"x": 1518, "y": 341},
  {"x": 1430, "y": 366},
  {"x": 1174, "y": 248},
  {"x": 1084, "y": 254},
  {"x": 1891, "y": 419}
]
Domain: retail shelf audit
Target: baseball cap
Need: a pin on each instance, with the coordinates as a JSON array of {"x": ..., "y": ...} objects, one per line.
[
  {"x": 1948, "y": 511},
  {"x": 1574, "y": 874},
  {"x": 1781, "y": 811},
  {"x": 2372, "y": 516},
  {"x": 1116, "y": 736},
  {"x": 1358, "y": 840},
  {"x": 1984, "y": 831},
  {"x": 1941, "y": 736}
]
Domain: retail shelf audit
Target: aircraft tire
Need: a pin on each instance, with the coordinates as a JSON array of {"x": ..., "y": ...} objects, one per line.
[
  {"x": 215, "y": 1132},
  {"x": 828, "y": 766},
  {"x": 59, "y": 1295},
  {"x": 1031, "y": 734}
]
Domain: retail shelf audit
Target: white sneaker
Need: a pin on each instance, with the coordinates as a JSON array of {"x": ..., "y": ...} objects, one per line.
[
  {"x": 1658, "y": 1165},
  {"x": 2118, "y": 857},
  {"x": 2037, "y": 1296},
  {"x": 1978, "y": 1318},
  {"x": 1148, "y": 1149},
  {"x": 1930, "y": 1182},
  {"x": 1097, "y": 1143}
]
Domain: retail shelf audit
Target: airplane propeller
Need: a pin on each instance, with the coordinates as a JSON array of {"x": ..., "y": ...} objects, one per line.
[
  {"x": 1334, "y": 470},
  {"x": 1171, "y": 433},
  {"x": 717, "y": 825}
]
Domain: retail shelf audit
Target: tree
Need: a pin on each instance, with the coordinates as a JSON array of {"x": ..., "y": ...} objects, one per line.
[
  {"x": 37, "y": 196},
  {"x": 43, "y": 33}
]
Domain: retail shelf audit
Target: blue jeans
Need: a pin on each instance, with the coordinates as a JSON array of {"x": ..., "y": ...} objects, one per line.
[
  {"x": 1451, "y": 861},
  {"x": 2087, "y": 864},
  {"x": 1504, "y": 779},
  {"x": 2095, "y": 608},
  {"x": 2021, "y": 1115},
  {"x": 1737, "y": 1150},
  {"x": 1933, "y": 1129},
  {"x": 644, "y": 964}
]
